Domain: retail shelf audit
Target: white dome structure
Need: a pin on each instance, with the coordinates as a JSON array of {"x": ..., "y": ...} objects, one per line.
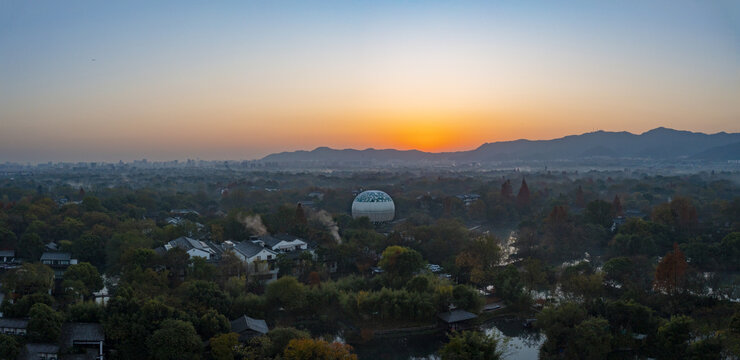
[{"x": 374, "y": 204}]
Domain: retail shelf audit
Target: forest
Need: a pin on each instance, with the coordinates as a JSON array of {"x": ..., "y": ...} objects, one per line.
[{"x": 604, "y": 264}]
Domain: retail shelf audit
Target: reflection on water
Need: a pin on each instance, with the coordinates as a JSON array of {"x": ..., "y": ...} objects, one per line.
[{"x": 524, "y": 344}]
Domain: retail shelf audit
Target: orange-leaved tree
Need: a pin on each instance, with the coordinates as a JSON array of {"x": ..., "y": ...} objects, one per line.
[
  {"x": 310, "y": 349},
  {"x": 670, "y": 275}
]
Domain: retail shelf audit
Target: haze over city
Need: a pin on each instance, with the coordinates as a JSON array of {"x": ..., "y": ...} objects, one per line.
[{"x": 101, "y": 81}]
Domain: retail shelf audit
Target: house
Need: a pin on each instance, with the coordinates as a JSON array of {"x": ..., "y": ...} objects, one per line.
[
  {"x": 13, "y": 326},
  {"x": 281, "y": 243},
  {"x": 194, "y": 248},
  {"x": 39, "y": 352},
  {"x": 248, "y": 327},
  {"x": 260, "y": 260},
  {"x": 7, "y": 256},
  {"x": 457, "y": 319},
  {"x": 83, "y": 338},
  {"x": 58, "y": 261}
]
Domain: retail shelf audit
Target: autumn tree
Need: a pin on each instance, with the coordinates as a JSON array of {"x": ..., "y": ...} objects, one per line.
[
  {"x": 506, "y": 190},
  {"x": 617, "y": 206},
  {"x": 222, "y": 346},
  {"x": 522, "y": 198},
  {"x": 670, "y": 275},
  {"x": 479, "y": 259},
  {"x": 580, "y": 200},
  {"x": 310, "y": 349},
  {"x": 679, "y": 214}
]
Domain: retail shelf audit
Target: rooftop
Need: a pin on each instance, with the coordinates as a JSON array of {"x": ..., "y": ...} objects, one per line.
[
  {"x": 456, "y": 316},
  {"x": 86, "y": 332},
  {"x": 13, "y": 323},
  {"x": 245, "y": 322},
  {"x": 56, "y": 256}
]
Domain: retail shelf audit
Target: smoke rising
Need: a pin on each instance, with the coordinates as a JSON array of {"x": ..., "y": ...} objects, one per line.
[
  {"x": 254, "y": 223},
  {"x": 325, "y": 219}
]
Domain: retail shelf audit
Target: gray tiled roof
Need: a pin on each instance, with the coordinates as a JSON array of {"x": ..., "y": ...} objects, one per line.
[
  {"x": 13, "y": 323},
  {"x": 245, "y": 322},
  {"x": 72, "y": 332},
  {"x": 187, "y": 243},
  {"x": 271, "y": 241},
  {"x": 56, "y": 256},
  {"x": 248, "y": 248},
  {"x": 7, "y": 252},
  {"x": 32, "y": 351},
  {"x": 456, "y": 316}
]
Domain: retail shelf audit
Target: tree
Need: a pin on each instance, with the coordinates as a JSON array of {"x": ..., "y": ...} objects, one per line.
[
  {"x": 29, "y": 279},
  {"x": 617, "y": 206},
  {"x": 479, "y": 260},
  {"x": 400, "y": 262},
  {"x": 473, "y": 345},
  {"x": 222, "y": 346},
  {"x": 558, "y": 323},
  {"x": 674, "y": 336},
  {"x": 8, "y": 240},
  {"x": 175, "y": 339},
  {"x": 310, "y": 349},
  {"x": 90, "y": 248},
  {"x": 213, "y": 323},
  {"x": 670, "y": 275},
  {"x": 280, "y": 338},
  {"x": 466, "y": 298},
  {"x": 522, "y": 198},
  {"x": 286, "y": 292},
  {"x": 533, "y": 275},
  {"x": 730, "y": 250},
  {"x": 86, "y": 312},
  {"x": 509, "y": 285},
  {"x": 44, "y": 324},
  {"x": 580, "y": 200},
  {"x": 599, "y": 212},
  {"x": 591, "y": 340},
  {"x": 506, "y": 190},
  {"x": 30, "y": 246},
  {"x": 9, "y": 347},
  {"x": 87, "y": 275},
  {"x": 618, "y": 270},
  {"x": 200, "y": 296},
  {"x": 679, "y": 214}
]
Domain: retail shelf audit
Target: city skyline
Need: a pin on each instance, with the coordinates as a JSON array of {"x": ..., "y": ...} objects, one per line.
[{"x": 85, "y": 81}]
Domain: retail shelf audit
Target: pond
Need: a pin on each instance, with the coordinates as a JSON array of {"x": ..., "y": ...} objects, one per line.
[{"x": 524, "y": 344}]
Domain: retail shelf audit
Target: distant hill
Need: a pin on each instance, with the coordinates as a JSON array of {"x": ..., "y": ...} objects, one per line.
[
  {"x": 659, "y": 143},
  {"x": 724, "y": 152}
]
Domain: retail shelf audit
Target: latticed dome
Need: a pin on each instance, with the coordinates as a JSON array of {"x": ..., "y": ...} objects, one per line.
[{"x": 374, "y": 204}]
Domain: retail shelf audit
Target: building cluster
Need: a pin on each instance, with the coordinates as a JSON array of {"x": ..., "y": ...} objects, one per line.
[
  {"x": 79, "y": 341},
  {"x": 259, "y": 254}
]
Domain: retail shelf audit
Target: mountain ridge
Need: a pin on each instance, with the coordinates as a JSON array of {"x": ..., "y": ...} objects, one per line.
[{"x": 658, "y": 143}]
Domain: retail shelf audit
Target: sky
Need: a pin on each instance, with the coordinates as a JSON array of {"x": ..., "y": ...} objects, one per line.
[{"x": 124, "y": 80}]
